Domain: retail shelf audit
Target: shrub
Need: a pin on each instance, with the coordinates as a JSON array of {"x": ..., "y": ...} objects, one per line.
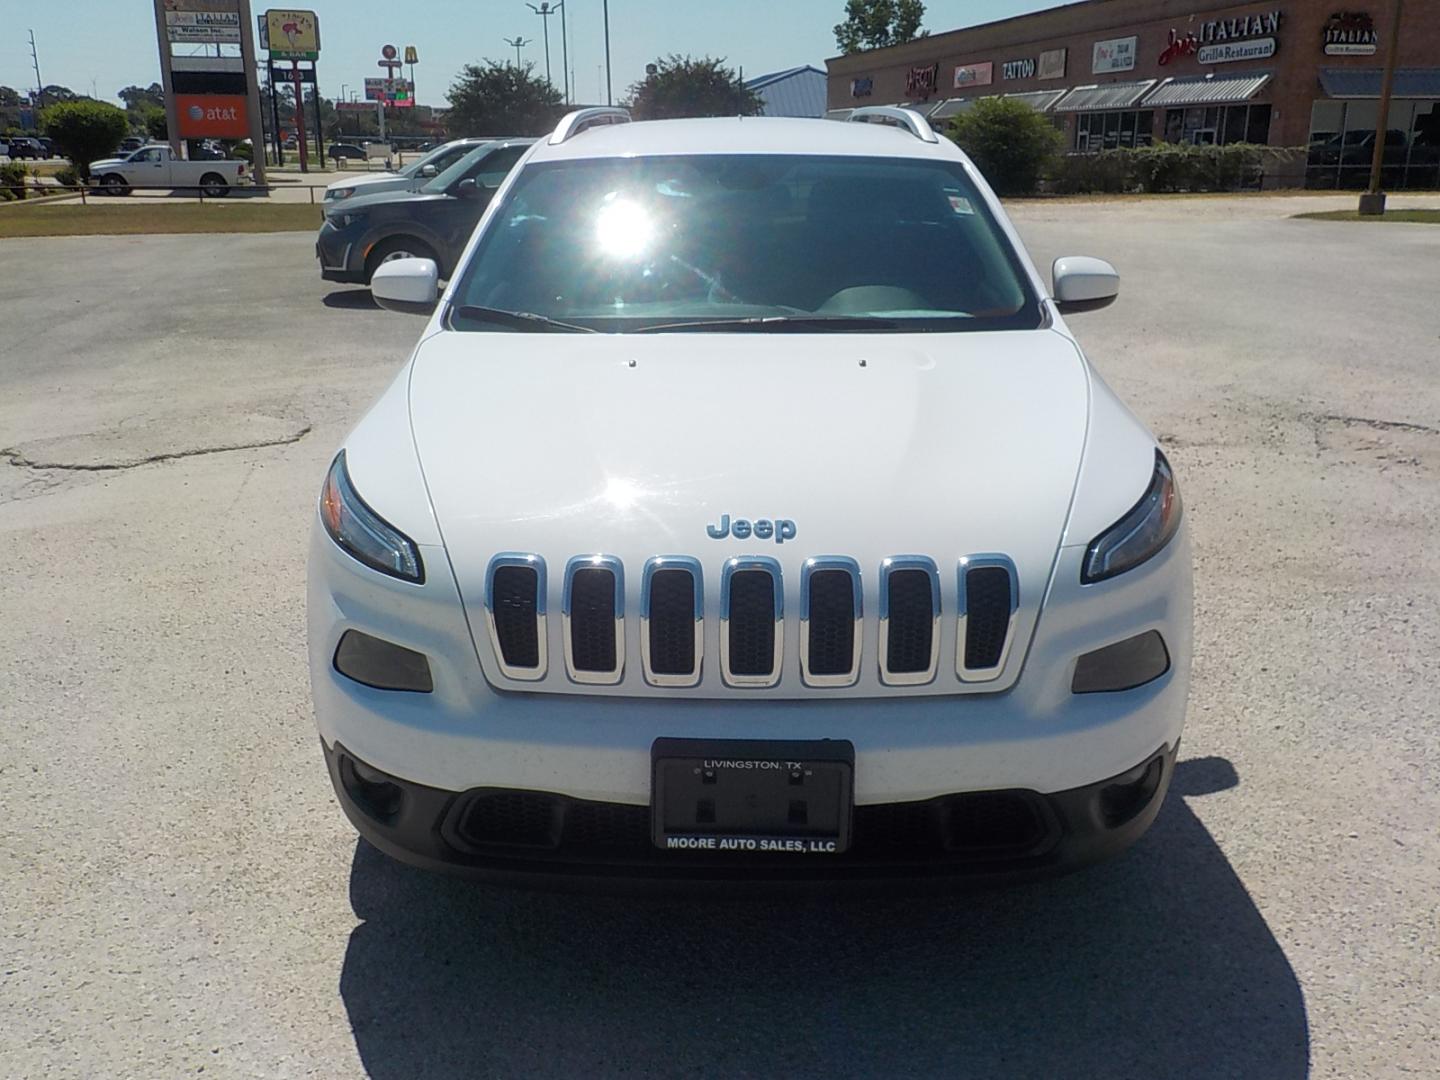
[
  {"x": 67, "y": 177},
  {"x": 1167, "y": 167},
  {"x": 12, "y": 179},
  {"x": 1010, "y": 143},
  {"x": 84, "y": 130},
  {"x": 241, "y": 151}
]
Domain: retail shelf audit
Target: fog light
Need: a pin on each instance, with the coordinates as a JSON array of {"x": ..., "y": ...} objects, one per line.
[
  {"x": 383, "y": 665},
  {"x": 1131, "y": 793},
  {"x": 1122, "y": 666},
  {"x": 372, "y": 791}
]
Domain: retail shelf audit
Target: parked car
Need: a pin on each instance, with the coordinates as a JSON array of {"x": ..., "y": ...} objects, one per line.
[
  {"x": 156, "y": 167},
  {"x": 364, "y": 231},
  {"x": 747, "y": 509},
  {"x": 345, "y": 151},
  {"x": 411, "y": 178},
  {"x": 5, "y": 149},
  {"x": 22, "y": 146},
  {"x": 129, "y": 145},
  {"x": 47, "y": 146}
]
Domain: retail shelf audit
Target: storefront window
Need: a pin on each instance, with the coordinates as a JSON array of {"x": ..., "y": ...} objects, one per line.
[
  {"x": 1108, "y": 130},
  {"x": 1342, "y": 144},
  {"x": 1218, "y": 124}
]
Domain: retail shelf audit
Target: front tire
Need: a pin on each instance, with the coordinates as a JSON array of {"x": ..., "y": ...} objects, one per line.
[
  {"x": 397, "y": 247},
  {"x": 114, "y": 184},
  {"x": 214, "y": 186}
]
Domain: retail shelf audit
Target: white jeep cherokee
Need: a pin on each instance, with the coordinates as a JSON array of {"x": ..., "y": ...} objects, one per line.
[{"x": 747, "y": 509}]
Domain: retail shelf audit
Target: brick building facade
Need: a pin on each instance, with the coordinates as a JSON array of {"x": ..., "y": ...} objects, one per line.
[{"x": 1294, "y": 73}]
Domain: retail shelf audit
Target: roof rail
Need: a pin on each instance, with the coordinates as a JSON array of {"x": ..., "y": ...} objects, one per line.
[
  {"x": 909, "y": 119},
  {"x": 580, "y": 119}
]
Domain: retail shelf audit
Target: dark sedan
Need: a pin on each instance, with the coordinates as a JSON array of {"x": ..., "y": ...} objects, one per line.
[{"x": 362, "y": 232}]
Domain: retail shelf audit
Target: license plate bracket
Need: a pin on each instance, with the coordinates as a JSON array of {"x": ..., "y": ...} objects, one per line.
[{"x": 748, "y": 796}]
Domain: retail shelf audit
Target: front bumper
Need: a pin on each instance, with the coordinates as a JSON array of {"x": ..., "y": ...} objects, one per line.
[
  {"x": 529, "y": 837},
  {"x": 336, "y": 250}
]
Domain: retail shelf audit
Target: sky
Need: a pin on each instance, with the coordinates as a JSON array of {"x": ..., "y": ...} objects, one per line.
[{"x": 109, "y": 44}]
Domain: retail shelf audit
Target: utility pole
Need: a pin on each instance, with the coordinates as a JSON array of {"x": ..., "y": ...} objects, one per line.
[
  {"x": 545, "y": 11},
  {"x": 39, "y": 86},
  {"x": 1372, "y": 203},
  {"x": 606, "y": 7},
  {"x": 517, "y": 44},
  {"x": 565, "y": 54}
]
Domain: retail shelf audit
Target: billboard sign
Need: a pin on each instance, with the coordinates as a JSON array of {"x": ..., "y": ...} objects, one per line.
[
  {"x": 974, "y": 75},
  {"x": 1117, "y": 54},
  {"x": 291, "y": 35},
  {"x": 1052, "y": 64},
  {"x": 397, "y": 93},
  {"x": 212, "y": 116},
  {"x": 203, "y": 27}
]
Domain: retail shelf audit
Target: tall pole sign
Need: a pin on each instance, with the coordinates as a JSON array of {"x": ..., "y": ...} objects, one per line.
[
  {"x": 295, "y": 36},
  {"x": 209, "y": 96}
]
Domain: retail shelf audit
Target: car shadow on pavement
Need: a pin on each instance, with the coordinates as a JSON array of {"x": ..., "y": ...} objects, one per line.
[
  {"x": 350, "y": 300},
  {"x": 1157, "y": 963}
]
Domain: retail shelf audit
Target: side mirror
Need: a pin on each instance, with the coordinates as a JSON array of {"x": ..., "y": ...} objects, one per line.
[
  {"x": 467, "y": 188},
  {"x": 407, "y": 285},
  {"x": 1083, "y": 284},
  {"x": 429, "y": 171}
]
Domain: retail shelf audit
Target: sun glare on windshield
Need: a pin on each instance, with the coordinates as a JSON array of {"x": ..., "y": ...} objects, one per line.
[{"x": 623, "y": 228}]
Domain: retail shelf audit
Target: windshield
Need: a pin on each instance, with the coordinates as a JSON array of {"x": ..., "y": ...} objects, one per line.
[
  {"x": 455, "y": 171},
  {"x": 432, "y": 158},
  {"x": 764, "y": 242}
]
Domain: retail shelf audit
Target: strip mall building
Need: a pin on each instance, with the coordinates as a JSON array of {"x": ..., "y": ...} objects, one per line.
[{"x": 1299, "y": 73}]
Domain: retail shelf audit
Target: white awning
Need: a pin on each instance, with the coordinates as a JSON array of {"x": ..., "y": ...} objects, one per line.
[
  {"x": 1039, "y": 100},
  {"x": 1117, "y": 95},
  {"x": 1208, "y": 89}
]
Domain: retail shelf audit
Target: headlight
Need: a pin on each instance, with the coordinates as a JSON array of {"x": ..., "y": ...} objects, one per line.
[
  {"x": 1141, "y": 533},
  {"x": 362, "y": 532},
  {"x": 339, "y": 193},
  {"x": 343, "y": 221}
]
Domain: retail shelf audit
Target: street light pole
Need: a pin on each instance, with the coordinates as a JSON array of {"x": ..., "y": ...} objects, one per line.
[
  {"x": 517, "y": 44},
  {"x": 606, "y": 6},
  {"x": 545, "y": 11},
  {"x": 1372, "y": 203},
  {"x": 564, "y": 53}
]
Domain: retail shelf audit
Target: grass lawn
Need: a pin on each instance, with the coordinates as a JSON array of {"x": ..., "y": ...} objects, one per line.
[
  {"x": 71, "y": 219},
  {"x": 1424, "y": 217}
]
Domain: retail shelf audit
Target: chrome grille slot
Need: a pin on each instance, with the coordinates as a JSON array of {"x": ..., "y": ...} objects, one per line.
[
  {"x": 831, "y": 621},
  {"x": 672, "y": 628},
  {"x": 909, "y": 620},
  {"x": 988, "y": 598},
  {"x": 594, "y": 617},
  {"x": 752, "y": 625},
  {"x": 515, "y": 613}
]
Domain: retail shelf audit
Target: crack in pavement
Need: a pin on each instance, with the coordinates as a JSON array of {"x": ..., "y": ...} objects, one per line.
[{"x": 19, "y": 460}]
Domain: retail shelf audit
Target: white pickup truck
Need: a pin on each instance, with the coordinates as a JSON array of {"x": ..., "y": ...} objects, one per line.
[{"x": 157, "y": 167}]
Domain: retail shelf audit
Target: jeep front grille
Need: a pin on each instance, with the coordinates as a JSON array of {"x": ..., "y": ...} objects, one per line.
[
  {"x": 831, "y": 621},
  {"x": 594, "y": 617},
  {"x": 752, "y": 626},
  {"x": 672, "y": 620},
  {"x": 515, "y": 611},
  {"x": 988, "y": 596},
  {"x": 909, "y": 620},
  {"x": 832, "y": 647}
]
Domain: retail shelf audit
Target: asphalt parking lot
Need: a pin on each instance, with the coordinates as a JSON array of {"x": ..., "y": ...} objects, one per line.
[{"x": 181, "y": 894}]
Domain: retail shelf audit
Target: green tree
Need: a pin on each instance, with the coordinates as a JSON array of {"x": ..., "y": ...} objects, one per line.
[
  {"x": 152, "y": 119},
  {"x": 501, "y": 99},
  {"x": 873, "y": 24},
  {"x": 84, "y": 130},
  {"x": 681, "y": 86},
  {"x": 136, "y": 98},
  {"x": 10, "y": 98},
  {"x": 1011, "y": 144}
]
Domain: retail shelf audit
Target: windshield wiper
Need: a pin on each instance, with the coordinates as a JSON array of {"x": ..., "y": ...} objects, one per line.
[
  {"x": 519, "y": 320},
  {"x": 766, "y": 323}
]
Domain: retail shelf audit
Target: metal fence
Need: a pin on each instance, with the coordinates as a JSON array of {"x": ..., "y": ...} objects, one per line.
[{"x": 43, "y": 193}]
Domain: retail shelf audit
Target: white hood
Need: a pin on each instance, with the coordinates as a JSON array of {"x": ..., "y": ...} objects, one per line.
[{"x": 873, "y": 445}]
